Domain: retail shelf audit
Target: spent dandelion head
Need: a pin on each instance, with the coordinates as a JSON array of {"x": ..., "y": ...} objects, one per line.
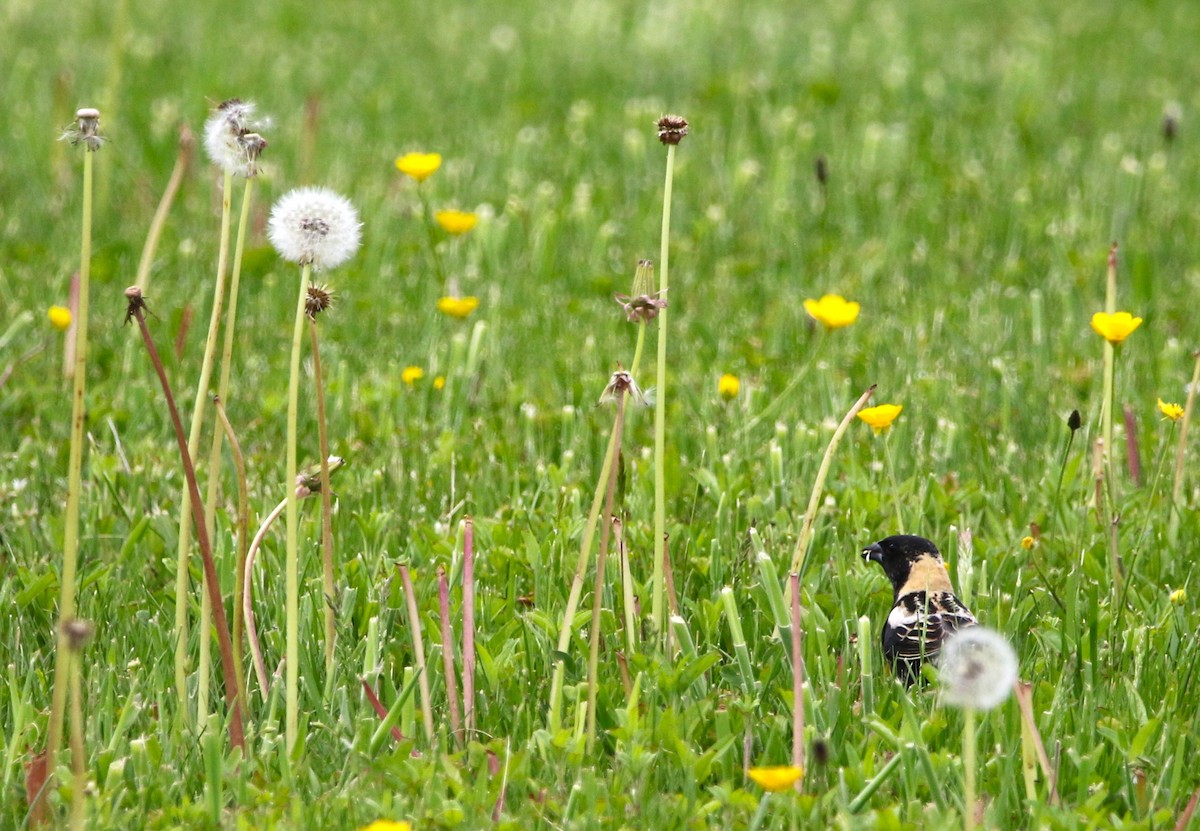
[
  {"x": 319, "y": 299},
  {"x": 833, "y": 311},
  {"x": 728, "y": 386},
  {"x": 1115, "y": 327},
  {"x": 643, "y": 303},
  {"x": 776, "y": 778},
  {"x": 314, "y": 226},
  {"x": 1172, "y": 411},
  {"x": 456, "y": 223},
  {"x": 672, "y": 129},
  {"x": 459, "y": 307},
  {"x": 977, "y": 669},
  {"x": 60, "y": 317},
  {"x": 419, "y": 166},
  {"x": 880, "y": 417},
  {"x": 85, "y": 130},
  {"x": 230, "y": 137},
  {"x": 78, "y": 632},
  {"x": 621, "y": 383}
]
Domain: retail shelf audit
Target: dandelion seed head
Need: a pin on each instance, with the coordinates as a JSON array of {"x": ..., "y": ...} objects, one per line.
[
  {"x": 314, "y": 226},
  {"x": 978, "y": 668},
  {"x": 231, "y": 137}
]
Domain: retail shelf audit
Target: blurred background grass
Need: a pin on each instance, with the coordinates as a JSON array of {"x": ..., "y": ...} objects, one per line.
[{"x": 981, "y": 157}]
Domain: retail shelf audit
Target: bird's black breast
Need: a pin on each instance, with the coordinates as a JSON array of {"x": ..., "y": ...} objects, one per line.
[{"x": 916, "y": 627}]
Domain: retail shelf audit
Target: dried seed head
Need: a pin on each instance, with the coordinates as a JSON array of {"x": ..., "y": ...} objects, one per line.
[
  {"x": 137, "y": 303},
  {"x": 643, "y": 308},
  {"x": 672, "y": 129},
  {"x": 78, "y": 633},
  {"x": 252, "y": 146},
  {"x": 621, "y": 383},
  {"x": 1074, "y": 420},
  {"x": 86, "y": 129},
  {"x": 643, "y": 278},
  {"x": 319, "y": 299},
  {"x": 820, "y": 752},
  {"x": 231, "y": 137}
]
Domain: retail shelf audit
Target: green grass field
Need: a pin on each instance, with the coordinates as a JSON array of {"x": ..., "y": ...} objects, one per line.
[{"x": 981, "y": 159}]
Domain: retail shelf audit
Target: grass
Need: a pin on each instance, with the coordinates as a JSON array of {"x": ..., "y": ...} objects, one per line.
[{"x": 981, "y": 159}]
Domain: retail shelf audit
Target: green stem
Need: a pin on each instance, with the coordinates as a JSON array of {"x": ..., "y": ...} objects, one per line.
[
  {"x": 185, "y": 499},
  {"x": 66, "y": 605},
  {"x": 326, "y": 507},
  {"x": 292, "y": 578},
  {"x": 660, "y": 412},
  {"x": 431, "y": 234},
  {"x": 637, "y": 350},
  {"x": 814, "y": 499},
  {"x": 554, "y": 718},
  {"x": 598, "y": 591},
  {"x": 1177, "y": 489},
  {"x": 969, "y": 768},
  {"x": 778, "y": 401}
]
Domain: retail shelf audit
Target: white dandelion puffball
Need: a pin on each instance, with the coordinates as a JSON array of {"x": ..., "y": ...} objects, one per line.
[
  {"x": 977, "y": 669},
  {"x": 224, "y": 136},
  {"x": 314, "y": 226}
]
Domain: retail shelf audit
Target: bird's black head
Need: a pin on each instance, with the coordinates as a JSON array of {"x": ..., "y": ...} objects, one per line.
[{"x": 897, "y": 555}]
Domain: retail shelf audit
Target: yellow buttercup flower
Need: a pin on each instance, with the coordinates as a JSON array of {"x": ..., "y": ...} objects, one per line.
[
  {"x": 1171, "y": 411},
  {"x": 411, "y": 374},
  {"x": 880, "y": 418},
  {"x": 728, "y": 386},
  {"x": 439, "y": 382},
  {"x": 459, "y": 307},
  {"x": 387, "y": 825},
  {"x": 832, "y": 311},
  {"x": 1179, "y": 597},
  {"x": 1114, "y": 327},
  {"x": 419, "y": 166},
  {"x": 456, "y": 222},
  {"x": 776, "y": 779},
  {"x": 60, "y": 318},
  {"x": 1028, "y": 543}
]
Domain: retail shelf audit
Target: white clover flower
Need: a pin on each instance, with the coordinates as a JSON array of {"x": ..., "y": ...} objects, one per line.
[
  {"x": 231, "y": 138},
  {"x": 977, "y": 669},
  {"x": 314, "y": 226}
]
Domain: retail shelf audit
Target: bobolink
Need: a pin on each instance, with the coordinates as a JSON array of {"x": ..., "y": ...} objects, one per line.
[{"x": 924, "y": 609}]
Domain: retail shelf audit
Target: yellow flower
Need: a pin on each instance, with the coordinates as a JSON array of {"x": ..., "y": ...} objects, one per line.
[
  {"x": 439, "y": 382},
  {"x": 411, "y": 374},
  {"x": 776, "y": 779},
  {"x": 1028, "y": 543},
  {"x": 1179, "y": 597},
  {"x": 728, "y": 386},
  {"x": 1115, "y": 327},
  {"x": 387, "y": 825},
  {"x": 880, "y": 418},
  {"x": 832, "y": 311},
  {"x": 456, "y": 222},
  {"x": 419, "y": 166},
  {"x": 1171, "y": 411},
  {"x": 459, "y": 307},
  {"x": 60, "y": 318}
]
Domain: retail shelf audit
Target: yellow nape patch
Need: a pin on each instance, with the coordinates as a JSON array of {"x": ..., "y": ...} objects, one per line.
[{"x": 928, "y": 574}]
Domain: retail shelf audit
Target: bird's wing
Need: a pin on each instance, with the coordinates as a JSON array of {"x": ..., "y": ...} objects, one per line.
[{"x": 919, "y": 622}]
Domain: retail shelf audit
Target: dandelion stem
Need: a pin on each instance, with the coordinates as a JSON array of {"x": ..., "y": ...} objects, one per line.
[
  {"x": 969, "y": 768},
  {"x": 292, "y": 578},
  {"x": 598, "y": 591},
  {"x": 814, "y": 499},
  {"x": 637, "y": 350},
  {"x": 243, "y": 530},
  {"x": 232, "y": 699},
  {"x": 260, "y": 668},
  {"x": 660, "y": 412},
  {"x": 554, "y": 718},
  {"x": 326, "y": 506},
  {"x": 193, "y": 445},
  {"x": 448, "y": 655},
  {"x": 66, "y": 604},
  {"x": 1106, "y": 413},
  {"x": 78, "y": 759},
  {"x": 797, "y": 679}
]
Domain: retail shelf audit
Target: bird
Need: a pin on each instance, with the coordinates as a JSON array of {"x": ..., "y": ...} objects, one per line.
[{"x": 925, "y": 609}]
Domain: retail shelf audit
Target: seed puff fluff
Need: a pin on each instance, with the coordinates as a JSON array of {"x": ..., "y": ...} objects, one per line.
[{"x": 925, "y": 609}]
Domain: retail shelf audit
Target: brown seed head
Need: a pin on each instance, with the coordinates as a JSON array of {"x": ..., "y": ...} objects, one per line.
[
  {"x": 136, "y": 302},
  {"x": 252, "y": 145},
  {"x": 672, "y": 129},
  {"x": 1074, "y": 420},
  {"x": 319, "y": 299}
]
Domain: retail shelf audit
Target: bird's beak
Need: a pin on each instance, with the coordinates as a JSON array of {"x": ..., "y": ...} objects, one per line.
[{"x": 873, "y": 553}]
